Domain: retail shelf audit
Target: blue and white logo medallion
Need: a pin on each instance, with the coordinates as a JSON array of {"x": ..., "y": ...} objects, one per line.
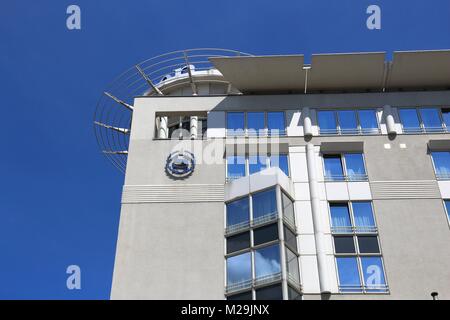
[{"x": 180, "y": 164}]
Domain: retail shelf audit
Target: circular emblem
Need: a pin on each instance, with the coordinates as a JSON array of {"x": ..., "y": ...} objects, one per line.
[{"x": 180, "y": 164}]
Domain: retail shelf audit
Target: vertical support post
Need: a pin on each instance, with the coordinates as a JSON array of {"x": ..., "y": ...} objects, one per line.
[
  {"x": 390, "y": 122},
  {"x": 194, "y": 127},
  {"x": 284, "y": 284},
  {"x": 319, "y": 233},
  {"x": 163, "y": 129},
  {"x": 307, "y": 125}
]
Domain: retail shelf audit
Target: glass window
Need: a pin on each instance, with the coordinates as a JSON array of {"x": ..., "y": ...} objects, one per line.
[
  {"x": 354, "y": 163},
  {"x": 290, "y": 238},
  {"x": 288, "y": 208},
  {"x": 410, "y": 120},
  {"x": 333, "y": 168},
  {"x": 235, "y": 167},
  {"x": 344, "y": 245},
  {"x": 280, "y": 161},
  {"x": 373, "y": 274},
  {"x": 241, "y": 296},
  {"x": 441, "y": 162},
  {"x": 327, "y": 122},
  {"x": 293, "y": 294},
  {"x": 235, "y": 121},
  {"x": 269, "y": 293},
  {"x": 363, "y": 215},
  {"x": 447, "y": 207},
  {"x": 340, "y": 217},
  {"x": 276, "y": 123},
  {"x": 239, "y": 268},
  {"x": 431, "y": 120},
  {"x": 255, "y": 123},
  {"x": 257, "y": 163},
  {"x": 267, "y": 261},
  {"x": 368, "y": 244},
  {"x": 238, "y": 242},
  {"x": 348, "y": 274},
  {"x": 292, "y": 266},
  {"x": 265, "y": 234},
  {"x": 368, "y": 121},
  {"x": 264, "y": 203},
  {"x": 347, "y": 121},
  {"x": 238, "y": 212},
  {"x": 446, "y": 116}
]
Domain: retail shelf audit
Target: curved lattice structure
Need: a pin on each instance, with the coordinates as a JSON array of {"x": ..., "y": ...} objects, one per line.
[{"x": 159, "y": 75}]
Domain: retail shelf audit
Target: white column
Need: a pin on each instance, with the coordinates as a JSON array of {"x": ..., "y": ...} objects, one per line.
[
  {"x": 307, "y": 125},
  {"x": 390, "y": 122},
  {"x": 319, "y": 233},
  {"x": 194, "y": 127},
  {"x": 163, "y": 130}
]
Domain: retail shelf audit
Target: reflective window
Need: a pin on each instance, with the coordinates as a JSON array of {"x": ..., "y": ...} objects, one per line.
[
  {"x": 347, "y": 121},
  {"x": 373, "y": 274},
  {"x": 348, "y": 274},
  {"x": 363, "y": 216},
  {"x": 354, "y": 164},
  {"x": 340, "y": 217},
  {"x": 265, "y": 234},
  {"x": 293, "y": 294},
  {"x": 257, "y": 163},
  {"x": 276, "y": 123},
  {"x": 368, "y": 244},
  {"x": 255, "y": 123},
  {"x": 264, "y": 203},
  {"x": 238, "y": 242},
  {"x": 238, "y": 212},
  {"x": 441, "y": 162},
  {"x": 344, "y": 244},
  {"x": 280, "y": 161},
  {"x": 290, "y": 238},
  {"x": 333, "y": 168},
  {"x": 288, "y": 208},
  {"x": 269, "y": 293},
  {"x": 327, "y": 122},
  {"x": 292, "y": 266},
  {"x": 235, "y": 167},
  {"x": 241, "y": 296},
  {"x": 410, "y": 120},
  {"x": 239, "y": 268},
  {"x": 447, "y": 207},
  {"x": 235, "y": 121},
  {"x": 368, "y": 121},
  {"x": 446, "y": 116},
  {"x": 431, "y": 120},
  {"x": 267, "y": 261}
]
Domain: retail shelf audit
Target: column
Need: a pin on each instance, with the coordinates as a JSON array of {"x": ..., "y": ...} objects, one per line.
[{"x": 307, "y": 126}]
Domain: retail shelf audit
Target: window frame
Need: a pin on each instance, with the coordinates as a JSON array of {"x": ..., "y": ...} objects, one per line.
[
  {"x": 265, "y": 131},
  {"x": 358, "y": 131},
  {"x": 447, "y": 212},
  {"x": 345, "y": 177},
  {"x": 437, "y": 176},
  {"x": 247, "y": 164},
  {"x": 422, "y": 128}
]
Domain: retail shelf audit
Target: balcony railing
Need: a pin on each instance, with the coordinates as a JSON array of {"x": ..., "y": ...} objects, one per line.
[
  {"x": 443, "y": 175},
  {"x": 350, "y": 229},
  {"x": 353, "y": 131},
  {"x": 255, "y": 133},
  {"x": 377, "y": 288},
  {"x": 349, "y": 177},
  {"x": 247, "y": 284},
  {"x": 415, "y": 130},
  {"x": 267, "y": 218}
]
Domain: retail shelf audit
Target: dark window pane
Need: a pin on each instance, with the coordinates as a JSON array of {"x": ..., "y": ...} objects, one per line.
[
  {"x": 347, "y": 121},
  {"x": 333, "y": 168},
  {"x": 264, "y": 203},
  {"x": 276, "y": 123},
  {"x": 280, "y": 161},
  {"x": 368, "y": 244},
  {"x": 269, "y": 293},
  {"x": 363, "y": 214},
  {"x": 241, "y": 296},
  {"x": 355, "y": 166},
  {"x": 265, "y": 234},
  {"x": 257, "y": 163},
  {"x": 410, "y": 120},
  {"x": 235, "y": 167},
  {"x": 238, "y": 242},
  {"x": 373, "y": 274},
  {"x": 238, "y": 212},
  {"x": 267, "y": 261},
  {"x": 294, "y": 294},
  {"x": 344, "y": 245},
  {"x": 348, "y": 273},
  {"x": 340, "y": 217},
  {"x": 368, "y": 121},
  {"x": 327, "y": 122},
  {"x": 290, "y": 238},
  {"x": 446, "y": 116},
  {"x": 239, "y": 268},
  {"x": 441, "y": 162},
  {"x": 255, "y": 123},
  {"x": 431, "y": 120}
]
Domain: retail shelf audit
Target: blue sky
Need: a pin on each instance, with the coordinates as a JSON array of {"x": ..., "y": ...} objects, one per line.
[{"x": 60, "y": 198}]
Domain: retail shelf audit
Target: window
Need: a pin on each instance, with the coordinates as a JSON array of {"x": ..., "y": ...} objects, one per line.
[
  {"x": 293, "y": 270},
  {"x": 426, "y": 119},
  {"x": 357, "y": 249},
  {"x": 290, "y": 238},
  {"x": 441, "y": 161},
  {"x": 235, "y": 167},
  {"x": 269, "y": 293},
  {"x": 238, "y": 212},
  {"x": 267, "y": 261},
  {"x": 276, "y": 123},
  {"x": 239, "y": 269},
  {"x": 264, "y": 204},
  {"x": 446, "y": 116},
  {"x": 235, "y": 123},
  {"x": 257, "y": 163},
  {"x": 280, "y": 161},
  {"x": 362, "y": 121},
  {"x": 255, "y": 123},
  {"x": 447, "y": 208},
  {"x": 265, "y": 234},
  {"x": 288, "y": 210},
  {"x": 241, "y": 296},
  {"x": 410, "y": 120},
  {"x": 345, "y": 167},
  {"x": 431, "y": 120},
  {"x": 238, "y": 242}
]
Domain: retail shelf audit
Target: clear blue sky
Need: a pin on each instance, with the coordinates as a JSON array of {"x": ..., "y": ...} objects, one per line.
[{"x": 59, "y": 197}]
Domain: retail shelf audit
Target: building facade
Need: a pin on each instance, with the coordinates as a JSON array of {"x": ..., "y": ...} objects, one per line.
[{"x": 264, "y": 177}]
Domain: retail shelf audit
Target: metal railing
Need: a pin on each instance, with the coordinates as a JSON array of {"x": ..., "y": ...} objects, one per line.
[
  {"x": 353, "y": 131},
  {"x": 349, "y": 177},
  {"x": 380, "y": 288},
  {"x": 351, "y": 229},
  {"x": 443, "y": 175},
  {"x": 423, "y": 129},
  {"x": 245, "y": 133},
  {"x": 267, "y": 218}
]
